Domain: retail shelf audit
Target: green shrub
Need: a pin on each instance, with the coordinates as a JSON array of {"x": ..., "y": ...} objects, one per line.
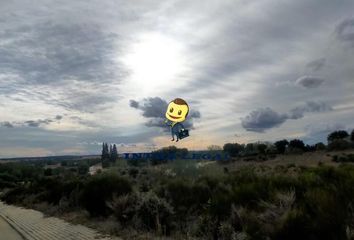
[
  {"x": 124, "y": 207},
  {"x": 100, "y": 189},
  {"x": 339, "y": 144},
  {"x": 295, "y": 226},
  {"x": 187, "y": 196},
  {"x": 206, "y": 227},
  {"x": 155, "y": 213},
  {"x": 133, "y": 172},
  {"x": 14, "y": 195},
  {"x": 249, "y": 193},
  {"x": 8, "y": 177},
  {"x": 327, "y": 213}
]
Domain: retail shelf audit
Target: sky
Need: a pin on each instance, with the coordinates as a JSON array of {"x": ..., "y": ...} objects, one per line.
[{"x": 74, "y": 74}]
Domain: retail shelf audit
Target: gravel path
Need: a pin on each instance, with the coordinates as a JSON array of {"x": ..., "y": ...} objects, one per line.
[{"x": 32, "y": 225}]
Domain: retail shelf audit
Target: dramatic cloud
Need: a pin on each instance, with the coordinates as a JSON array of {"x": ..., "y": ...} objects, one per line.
[
  {"x": 85, "y": 60},
  {"x": 266, "y": 118},
  {"x": 154, "y": 108},
  {"x": 262, "y": 119},
  {"x": 309, "y": 81}
]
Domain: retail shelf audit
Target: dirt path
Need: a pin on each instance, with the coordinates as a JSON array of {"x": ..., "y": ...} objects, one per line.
[{"x": 7, "y": 232}]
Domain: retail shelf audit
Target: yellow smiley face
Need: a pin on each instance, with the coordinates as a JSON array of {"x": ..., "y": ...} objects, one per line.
[{"x": 177, "y": 112}]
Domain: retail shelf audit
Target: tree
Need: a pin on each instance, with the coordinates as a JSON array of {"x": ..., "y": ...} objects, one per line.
[
  {"x": 114, "y": 153},
  {"x": 310, "y": 148},
  {"x": 213, "y": 148},
  {"x": 339, "y": 144},
  {"x": 83, "y": 169},
  {"x": 336, "y": 135},
  {"x": 105, "y": 154},
  {"x": 249, "y": 147},
  {"x": 261, "y": 148},
  {"x": 320, "y": 146},
  {"x": 352, "y": 136},
  {"x": 110, "y": 151},
  {"x": 281, "y": 145},
  {"x": 233, "y": 148},
  {"x": 297, "y": 144}
]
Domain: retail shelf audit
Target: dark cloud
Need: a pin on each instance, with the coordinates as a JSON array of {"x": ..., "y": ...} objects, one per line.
[
  {"x": 51, "y": 52},
  {"x": 37, "y": 123},
  {"x": 310, "y": 106},
  {"x": 309, "y": 81},
  {"x": 32, "y": 123},
  {"x": 262, "y": 119},
  {"x": 68, "y": 65},
  {"x": 317, "y": 64},
  {"x": 134, "y": 104},
  {"x": 345, "y": 30},
  {"x": 154, "y": 108},
  {"x": 266, "y": 118}
]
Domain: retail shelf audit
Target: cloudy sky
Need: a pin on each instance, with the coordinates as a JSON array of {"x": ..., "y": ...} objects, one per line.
[{"x": 76, "y": 73}]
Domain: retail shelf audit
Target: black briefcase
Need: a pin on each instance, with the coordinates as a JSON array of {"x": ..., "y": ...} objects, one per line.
[{"x": 183, "y": 133}]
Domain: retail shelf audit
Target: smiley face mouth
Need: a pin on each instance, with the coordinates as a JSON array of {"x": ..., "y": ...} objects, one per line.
[{"x": 173, "y": 116}]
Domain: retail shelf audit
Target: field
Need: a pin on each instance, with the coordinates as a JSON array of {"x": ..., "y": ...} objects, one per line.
[{"x": 292, "y": 196}]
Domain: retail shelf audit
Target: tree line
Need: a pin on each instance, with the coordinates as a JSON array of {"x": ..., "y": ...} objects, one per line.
[{"x": 337, "y": 140}]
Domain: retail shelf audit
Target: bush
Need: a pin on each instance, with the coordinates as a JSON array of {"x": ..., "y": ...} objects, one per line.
[
  {"x": 296, "y": 146},
  {"x": 102, "y": 188},
  {"x": 14, "y": 195},
  {"x": 281, "y": 145},
  {"x": 133, "y": 172},
  {"x": 233, "y": 148},
  {"x": 5, "y": 184},
  {"x": 294, "y": 227},
  {"x": 320, "y": 146},
  {"x": 343, "y": 159},
  {"x": 337, "y": 135},
  {"x": 124, "y": 207},
  {"x": 8, "y": 177},
  {"x": 186, "y": 196},
  {"x": 155, "y": 213},
  {"x": 338, "y": 144}
]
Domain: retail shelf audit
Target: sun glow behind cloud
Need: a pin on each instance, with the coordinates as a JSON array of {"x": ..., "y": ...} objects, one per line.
[
  {"x": 85, "y": 62},
  {"x": 153, "y": 62}
]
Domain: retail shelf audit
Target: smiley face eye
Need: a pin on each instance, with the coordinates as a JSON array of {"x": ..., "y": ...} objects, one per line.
[
  {"x": 179, "y": 112},
  {"x": 171, "y": 110}
]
